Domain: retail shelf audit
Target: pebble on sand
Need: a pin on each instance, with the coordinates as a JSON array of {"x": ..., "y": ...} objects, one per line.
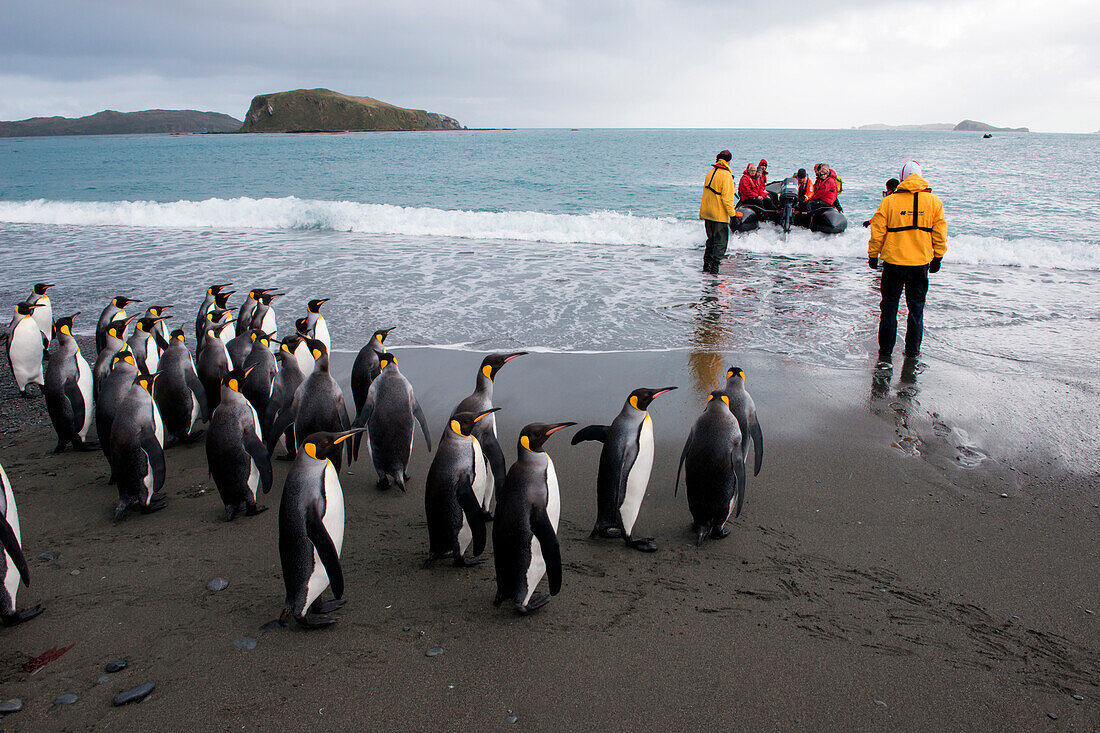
[
  {"x": 11, "y": 706},
  {"x": 48, "y": 556},
  {"x": 434, "y": 651},
  {"x": 116, "y": 665},
  {"x": 880, "y": 702},
  {"x": 245, "y": 642},
  {"x": 511, "y": 719},
  {"x": 1004, "y": 496},
  {"x": 134, "y": 694},
  {"x": 1052, "y": 716},
  {"x": 103, "y": 679},
  {"x": 67, "y": 699},
  {"x": 217, "y": 584}
]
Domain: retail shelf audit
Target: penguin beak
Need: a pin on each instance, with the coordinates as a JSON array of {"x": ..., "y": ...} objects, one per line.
[
  {"x": 74, "y": 315},
  {"x": 660, "y": 392},
  {"x": 558, "y": 426},
  {"x": 158, "y": 319},
  {"x": 345, "y": 435},
  {"x": 46, "y": 286},
  {"x": 128, "y": 301},
  {"x": 514, "y": 356},
  {"x": 128, "y": 320},
  {"x": 487, "y": 412}
]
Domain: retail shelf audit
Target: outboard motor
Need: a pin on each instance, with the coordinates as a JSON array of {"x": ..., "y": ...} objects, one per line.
[{"x": 788, "y": 200}]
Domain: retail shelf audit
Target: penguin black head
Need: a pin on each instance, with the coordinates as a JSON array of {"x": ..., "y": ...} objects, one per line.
[
  {"x": 255, "y": 334},
  {"x": 155, "y": 311},
  {"x": 65, "y": 325},
  {"x": 261, "y": 338},
  {"x": 25, "y": 309},
  {"x": 146, "y": 324},
  {"x": 216, "y": 315},
  {"x": 145, "y": 381},
  {"x": 290, "y": 343},
  {"x": 41, "y": 288},
  {"x": 117, "y": 327},
  {"x": 720, "y": 396},
  {"x": 385, "y": 359},
  {"x": 302, "y": 326},
  {"x": 640, "y": 398},
  {"x": 124, "y": 355},
  {"x": 463, "y": 423},
  {"x": 121, "y": 301},
  {"x": 314, "y": 306},
  {"x": 317, "y": 348},
  {"x": 235, "y": 378},
  {"x": 177, "y": 335},
  {"x": 221, "y": 299},
  {"x": 257, "y": 293},
  {"x": 735, "y": 371},
  {"x": 320, "y": 446},
  {"x": 534, "y": 435},
  {"x": 216, "y": 289},
  {"x": 269, "y": 296},
  {"x": 380, "y": 335},
  {"x": 492, "y": 363}
]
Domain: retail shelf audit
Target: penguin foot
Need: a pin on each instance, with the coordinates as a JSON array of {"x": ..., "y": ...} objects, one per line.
[
  {"x": 608, "y": 533},
  {"x": 230, "y": 512},
  {"x": 642, "y": 544},
  {"x": 255, "y": 509},
  {"x": 383, "y": 483},
  {"x": 322, "y": 607},
  {"x": 538, "y": 600},
  {"x": 500, "y": 597},
  {"x": 720, "y": 532},
  {"x": 701, "y": 534},
  {"x": 311, "y": 621},
  {"x": 86, "y": 445},
  {"x": 487, "y": 516},
  {"x": 191, "y": 437},
  {"x": 120, "y": 510},
  {"x": 60, "y": 447},
  {"x": 467, "y": 562},
  {"x": 20, "y": 616},
  {"x": 154, "y": 506}
]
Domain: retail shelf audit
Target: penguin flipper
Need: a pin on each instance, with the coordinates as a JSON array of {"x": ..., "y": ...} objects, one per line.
[
  {"x": 591, "y": 432},
  {"x": 757, "y": 443},
  {"x": 155, "y": 453},
  {"x": 474, "y": 515},
  {"x": 626, "y": 462},
  {"x": 345, "y": 424},
  {"x": 75, "y": 407},
  {"x": 199, "y": 391},
  {"x": 11, "y": 546},
  {"x": 261, "y": 457},
  {"x": 491, "y": 449},
  {"x": 361, "y": 421},
  {"x": 326, "y": 550},
  {"x": 551, "y": 551},
  {"x": 284, "y": 419},
  {"x": 739, "y": 473},
  {"x": 418, "y": 412},
  {"x": 683, "y": 457}
]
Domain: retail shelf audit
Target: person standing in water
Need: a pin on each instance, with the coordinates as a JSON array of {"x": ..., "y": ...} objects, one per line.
[
  {"x": 716, "y": 210},
  {"x": 909, "y": 233}
]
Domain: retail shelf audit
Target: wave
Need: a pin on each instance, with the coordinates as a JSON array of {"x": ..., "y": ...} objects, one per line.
[{"x": 600, "y": 228}]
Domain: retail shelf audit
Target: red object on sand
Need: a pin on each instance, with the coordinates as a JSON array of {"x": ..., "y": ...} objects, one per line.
[{"x": 45, "y": 658}]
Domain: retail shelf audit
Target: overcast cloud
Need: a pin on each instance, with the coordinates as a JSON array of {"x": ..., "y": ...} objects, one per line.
[{"x": 530, "y": 63}]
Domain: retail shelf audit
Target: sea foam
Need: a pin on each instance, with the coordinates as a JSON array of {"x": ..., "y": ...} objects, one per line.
[{"x": 598, "y": 227}]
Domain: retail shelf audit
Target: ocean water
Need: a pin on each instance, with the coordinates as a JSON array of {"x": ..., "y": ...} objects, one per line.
[{"x": 563, "y": 240}]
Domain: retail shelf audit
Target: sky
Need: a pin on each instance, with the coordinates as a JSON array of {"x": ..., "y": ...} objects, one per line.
[{"x": 569, "y": 63}]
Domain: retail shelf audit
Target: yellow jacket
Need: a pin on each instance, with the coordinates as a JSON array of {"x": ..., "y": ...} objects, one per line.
[
  {"x": 718, "y": 191},
  {"x": 901, "y": 236}
]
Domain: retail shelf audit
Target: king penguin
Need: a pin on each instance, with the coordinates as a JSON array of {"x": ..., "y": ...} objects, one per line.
[
  {"x": 235, "y": 453},
  {"x": 137, "y": 449},
  {"x": 115, "y": 310},
  {"x": 316, "y": 327},
  {"x": 113, "y": 389},
  {"x": 486, "y": 430},
  {"x": 180, "y": 396},
  {"x": 13, "y": 566},
  {"x": 69, "y": 389},
  {"x": 283, "y": 387},
  {"x": 311, "y": 531},
  {"x": 144, "y": 345},
  {"x": 25, "y": 348},
  {"x": 625, "y": 463},
  {"x": 262, "y": 368},
  {"x": 212, "y": 292},
  {"x": 365, "y": 368},
  {"x": 455, "y": 479},
  {"x": 248, "y": 309},
  {"x": 744, "y": 409},
  {"x": 388, "y": 415},
  {"x": 525, "y": 532},
  {"x": 318, "y": 406},
  {"x": 43, "y": 314},
  {"x": 213, "y": 364},
  {"x": 115, "y": 341},
  {"x": 216, "y": 316},
  {"x": 715, "y": 469},
  {"x": 263, "y": 318}
]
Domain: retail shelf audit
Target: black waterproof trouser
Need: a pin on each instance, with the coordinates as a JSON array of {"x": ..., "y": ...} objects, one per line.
[
  {"x": 914, "y": 281},
  {"x": 718, "y": 238}
]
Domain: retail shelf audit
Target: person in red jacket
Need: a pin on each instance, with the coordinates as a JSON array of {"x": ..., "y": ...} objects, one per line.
[
  {"x": 762, "y": 173},
  {"x": 825, "y": 189},
  {"x": 750, "y": 190}
]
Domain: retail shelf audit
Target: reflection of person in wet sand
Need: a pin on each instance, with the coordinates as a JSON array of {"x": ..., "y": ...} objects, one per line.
[
  {"x": 709, "y": 337},
  {"x": 904, "y": 406}
]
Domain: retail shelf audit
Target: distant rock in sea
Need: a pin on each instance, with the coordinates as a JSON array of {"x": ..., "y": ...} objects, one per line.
[
  {"x": 972, "y": 126},
  {"x": 110, "y": 122},
  {"x": 323, "y": 110}
]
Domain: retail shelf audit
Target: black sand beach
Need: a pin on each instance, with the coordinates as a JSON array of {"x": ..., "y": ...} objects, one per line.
[{"x": 877, "y": 579}]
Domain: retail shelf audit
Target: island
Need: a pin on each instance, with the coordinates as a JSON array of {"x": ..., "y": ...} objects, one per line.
[
  {"x": 323, "y": 110},
  {"x": 110, "y": 122},
  {"x": 964, "y": 126}
]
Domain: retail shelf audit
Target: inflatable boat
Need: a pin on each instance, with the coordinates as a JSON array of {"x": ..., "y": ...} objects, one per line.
[{"x": 784, "y": 198}]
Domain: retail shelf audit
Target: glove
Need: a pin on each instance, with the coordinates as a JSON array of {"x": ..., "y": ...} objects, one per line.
[
  {"x": 872, "y": 262},
  {"x": 934, "y": 265},
  {"x": 866, "y": 223}
]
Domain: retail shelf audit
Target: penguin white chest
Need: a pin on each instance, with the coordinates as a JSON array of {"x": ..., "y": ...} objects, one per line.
[
  {"x": 320, "y": 332},
  {"x": 84, "y": 384},
  {"x": 638, "y": 478},
  {"x": 25, "y": 353},
  {"x": 333, "y": 521},
  {"x": 11, "y": 516},
  {"x": 537, "y": 568}
]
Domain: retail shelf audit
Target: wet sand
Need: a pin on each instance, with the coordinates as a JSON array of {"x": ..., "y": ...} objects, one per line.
[{"x": 872, "y": 582}]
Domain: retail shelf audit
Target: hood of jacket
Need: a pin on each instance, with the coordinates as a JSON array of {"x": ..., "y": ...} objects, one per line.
[{"x": 914, "y": 183}]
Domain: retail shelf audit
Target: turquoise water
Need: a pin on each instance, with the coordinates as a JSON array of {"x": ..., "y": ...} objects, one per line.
[{"x": 559, "y": 239}]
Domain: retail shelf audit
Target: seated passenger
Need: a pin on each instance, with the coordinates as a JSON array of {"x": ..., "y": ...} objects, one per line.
[
  {"x": 762, "y": 173},
  {"x": 825, "y": 189},
  {"x": 751, "y": 191},
  {"x": 805, "y": 186}
]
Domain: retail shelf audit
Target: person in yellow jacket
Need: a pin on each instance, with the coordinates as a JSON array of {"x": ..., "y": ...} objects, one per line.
[
  {"x": 716, "y": 210},
  {"x": 909, "y": 233}
]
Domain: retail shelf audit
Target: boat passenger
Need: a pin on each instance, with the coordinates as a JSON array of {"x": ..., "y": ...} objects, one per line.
[{"x": 750, "y": 190}]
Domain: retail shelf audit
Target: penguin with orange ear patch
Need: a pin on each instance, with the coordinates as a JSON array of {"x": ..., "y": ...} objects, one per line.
[{"x": 715, "y": 475}]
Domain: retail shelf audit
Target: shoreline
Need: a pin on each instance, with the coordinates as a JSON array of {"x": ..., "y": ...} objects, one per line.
[{"x": 858, "y": 573}]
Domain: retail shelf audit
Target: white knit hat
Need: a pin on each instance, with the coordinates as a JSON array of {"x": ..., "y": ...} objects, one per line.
[{"x": 911, "y": 168}]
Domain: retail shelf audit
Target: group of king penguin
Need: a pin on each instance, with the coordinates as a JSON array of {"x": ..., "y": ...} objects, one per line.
[{"x": 147, "y": 391}]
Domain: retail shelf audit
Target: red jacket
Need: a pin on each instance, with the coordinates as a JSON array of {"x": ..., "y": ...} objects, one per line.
[
  {"x": 749, "y": 187},
  {"x": 825, "y": 189}
]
